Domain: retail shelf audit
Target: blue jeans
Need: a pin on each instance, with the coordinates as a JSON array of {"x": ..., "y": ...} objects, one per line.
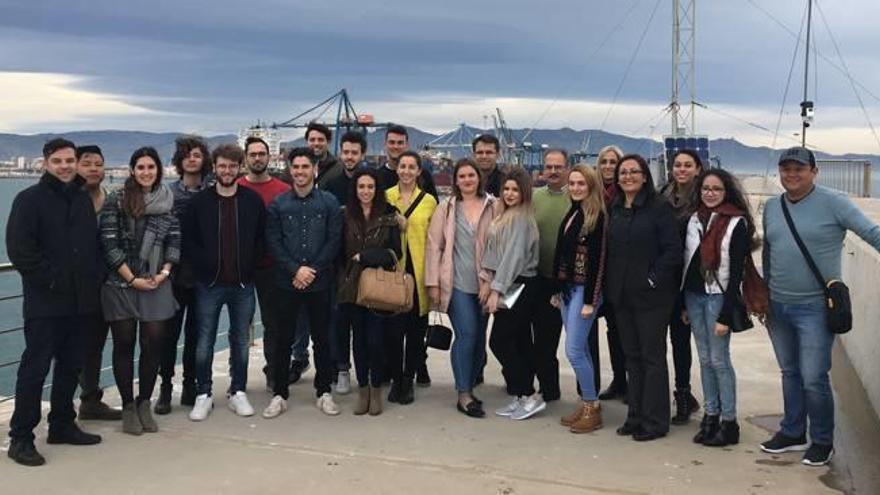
[
  {"x": 468, "y": 351},
  {"x": 716, "y": 370},
  {"x": 802, "y": 343},
  {"x": 577, "y": 332},
  {"x": 240, "y": 302}
]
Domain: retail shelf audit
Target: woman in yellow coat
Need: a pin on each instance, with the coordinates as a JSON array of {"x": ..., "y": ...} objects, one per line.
[{"x": 406, "y": 361}]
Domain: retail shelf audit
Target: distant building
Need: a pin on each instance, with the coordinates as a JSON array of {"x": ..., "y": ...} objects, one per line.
[{"x": 21, "y": 163}]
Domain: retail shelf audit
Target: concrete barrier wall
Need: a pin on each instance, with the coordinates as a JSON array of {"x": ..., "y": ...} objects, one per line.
[{"x": 861, "y": 272}]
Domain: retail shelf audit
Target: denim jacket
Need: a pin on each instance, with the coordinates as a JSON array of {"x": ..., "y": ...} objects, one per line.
[{"x": 304, "y": 231}]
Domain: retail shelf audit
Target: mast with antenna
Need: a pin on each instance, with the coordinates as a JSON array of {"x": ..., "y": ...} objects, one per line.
[{"x": 807, "y": 105}]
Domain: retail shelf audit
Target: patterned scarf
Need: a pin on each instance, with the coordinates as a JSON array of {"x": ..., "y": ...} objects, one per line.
[{"x": 157, "y": 205}]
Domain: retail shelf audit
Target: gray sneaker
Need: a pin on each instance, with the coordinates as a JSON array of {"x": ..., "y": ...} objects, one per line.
[
  {"x": 529, "y": 407},
  {"x": 507, "y": 410}
]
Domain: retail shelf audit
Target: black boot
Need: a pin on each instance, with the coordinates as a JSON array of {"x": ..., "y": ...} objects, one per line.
[
  {"x": 684, "y": 406},
  {"x": 727, "y": 434},
  {"x": 708, "y": 427},
  {"x": 188, "y": 394},
  {"x": 72, "y": 435},
  {"x": 394, "y": 393},
  {"x": 423, "y": 379},
  {"x": 25, "y": 453},
  {"x": 406, "y": 392},
  {"x": 163, "y": 404}
]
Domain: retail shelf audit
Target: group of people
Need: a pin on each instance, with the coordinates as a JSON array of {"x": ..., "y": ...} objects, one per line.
[{"x": 153, "y": 260}]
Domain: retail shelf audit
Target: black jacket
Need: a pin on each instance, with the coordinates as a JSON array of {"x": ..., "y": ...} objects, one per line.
[
  {"x": 201, "y": 244},
  {"x": 644, "y": 253},
  {"x": 388, "y": 178},
  {"x": 52, "y": 240}
]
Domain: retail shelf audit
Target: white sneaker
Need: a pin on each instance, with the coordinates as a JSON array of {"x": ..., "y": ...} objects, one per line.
[
  {"x": 343, "y": 383},
  {"x": 326, "y": 405},
  {"x": 509, "y": 409},
  {"x": 529, "y": 407},
  {"x": 202, "y": 408},
  {"x": 239, "y": 404},
  {"x": 276, "y": 406}
]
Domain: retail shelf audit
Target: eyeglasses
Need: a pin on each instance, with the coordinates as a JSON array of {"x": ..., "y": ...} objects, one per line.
[
  {"x": 627, "y": 173},
  {"x": 714, "y": 190}
]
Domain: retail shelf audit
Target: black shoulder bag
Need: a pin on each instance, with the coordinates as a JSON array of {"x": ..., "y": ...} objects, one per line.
[{"x": 838, "y": 307}]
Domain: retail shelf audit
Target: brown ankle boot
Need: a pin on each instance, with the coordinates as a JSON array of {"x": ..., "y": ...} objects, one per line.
[
  {"x": 375, "y": 401},
  {"x": 590, "y": 420},
  {"x": 363, "y": 403},
  {"x": 569, "y": 419}
]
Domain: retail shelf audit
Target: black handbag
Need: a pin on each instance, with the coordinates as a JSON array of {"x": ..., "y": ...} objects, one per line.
[
  {"x": 838, "y": 306},
  {"x": 438, "y": 336},
  {"x": 740, "y": 320}
]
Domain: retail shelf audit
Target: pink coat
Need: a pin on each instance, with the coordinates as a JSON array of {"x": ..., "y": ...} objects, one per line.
[{"x": 441, "y": 239}]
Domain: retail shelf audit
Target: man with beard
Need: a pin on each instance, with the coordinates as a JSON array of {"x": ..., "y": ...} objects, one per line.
[
  {"x": 353, "y": 150},
  {"x": 225, "y": 226},
  {"x": 396, "y": 142},
  {"x": 256, "y": 158},
  {"x": 318, "y": 138},
  {"x": 193, "y": 163},
  {"x": 90, "y": 166}
]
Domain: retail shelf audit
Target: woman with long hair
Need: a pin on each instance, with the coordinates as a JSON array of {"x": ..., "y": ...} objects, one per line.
[
  {"x": 579, "y": 266},
  {"x": 371, "y": 238},
  {"x": 407, "y": 359},
  {"x": 456, "y": 237},
  {"x": 141, "y": 239},
  {"x": 682, "y": 194},
  {"x": 643, "y": 263},
  {"x": 720, "y": 235},
  {"x": 606, "y": 163},
  {"x": 509, "y": 275}
]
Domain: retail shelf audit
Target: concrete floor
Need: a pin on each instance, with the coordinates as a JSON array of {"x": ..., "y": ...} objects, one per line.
[{"x": 428, "y": 447}]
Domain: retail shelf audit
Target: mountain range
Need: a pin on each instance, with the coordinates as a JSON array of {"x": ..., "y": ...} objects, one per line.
[{"x": 118, "y": 145}]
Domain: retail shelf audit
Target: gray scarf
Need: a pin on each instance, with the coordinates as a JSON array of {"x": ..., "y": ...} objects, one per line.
[{"x": 157, "y": 205}]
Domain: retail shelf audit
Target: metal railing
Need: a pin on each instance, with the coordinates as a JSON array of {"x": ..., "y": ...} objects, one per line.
[
  {"x": 852, "y": 177},
  {"x": 7, "y": 267}
]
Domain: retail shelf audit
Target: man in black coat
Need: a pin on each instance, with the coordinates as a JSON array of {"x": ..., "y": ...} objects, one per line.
[{"x": 52, "y": 240}]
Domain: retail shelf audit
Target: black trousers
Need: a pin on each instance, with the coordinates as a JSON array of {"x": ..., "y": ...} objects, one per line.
[
  {"x": 369, "y": 329},
  {"x": 405, "y": 344},
  {"x": 96, "y": 330},
  {"x": 317, "y": 309},
  {"x": 511, "y": 342},
  {"x": 60, "y": 339},
  {"x": 643, "y": 335},
  {"x": 546, "y": 322},
  {"x": 680, "y": 336},
  {"x": 264, "y": 283},
  {"x": 615, "y": 349},
  {"x": 184, "y": 319}
]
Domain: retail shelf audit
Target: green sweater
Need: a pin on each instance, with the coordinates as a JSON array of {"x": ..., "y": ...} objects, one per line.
[{"x": 550, "y": 209}]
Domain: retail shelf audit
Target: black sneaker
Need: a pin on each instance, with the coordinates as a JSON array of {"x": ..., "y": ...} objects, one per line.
[
  {"x": 818, "y": 455},
  {"x": 781, "y": 443},
  {"x": 72, "y": 435},
  {"x": 188, "y": 394},
  {"x": 25, "y": 453}
]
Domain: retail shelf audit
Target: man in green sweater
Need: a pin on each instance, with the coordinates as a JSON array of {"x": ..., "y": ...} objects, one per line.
[
  {"x": 798, "y": 328},
  {"x": 551, "y": 203}
]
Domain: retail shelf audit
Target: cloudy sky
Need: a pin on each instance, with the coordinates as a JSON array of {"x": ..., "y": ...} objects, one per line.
[{"x": 216, "y": 66}]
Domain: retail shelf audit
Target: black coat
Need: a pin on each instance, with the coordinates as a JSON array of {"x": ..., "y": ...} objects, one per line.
[
  {"x": 52, "y": 240},
  {"x": 201, "y": 239},
  {"x": 644, "y": 253}
]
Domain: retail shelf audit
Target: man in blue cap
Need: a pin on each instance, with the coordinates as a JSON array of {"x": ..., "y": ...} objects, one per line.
[{"x": 797, "y": 322}]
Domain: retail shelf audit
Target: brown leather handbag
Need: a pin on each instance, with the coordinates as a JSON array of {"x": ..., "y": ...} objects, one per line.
[
  {"x": 756, "y": 295},
  {"x": 386, "y": 290}
]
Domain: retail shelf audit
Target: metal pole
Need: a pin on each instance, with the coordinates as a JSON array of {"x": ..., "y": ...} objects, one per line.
[
  {"x": 676, "y": 33},
  {"x": 806, "y": 68}
]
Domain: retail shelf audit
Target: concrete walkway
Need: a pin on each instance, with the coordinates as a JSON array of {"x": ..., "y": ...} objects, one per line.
[{"x": 427, "y": 447}]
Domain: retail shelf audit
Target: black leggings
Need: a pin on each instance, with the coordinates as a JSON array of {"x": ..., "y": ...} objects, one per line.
[{"x": 124, "y": 335}]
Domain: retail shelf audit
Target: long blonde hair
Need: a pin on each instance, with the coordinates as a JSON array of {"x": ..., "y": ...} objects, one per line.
[{"x": 594, "y": 204}]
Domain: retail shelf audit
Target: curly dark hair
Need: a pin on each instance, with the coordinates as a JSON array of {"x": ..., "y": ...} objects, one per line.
[{"x": 183, "y": 146}]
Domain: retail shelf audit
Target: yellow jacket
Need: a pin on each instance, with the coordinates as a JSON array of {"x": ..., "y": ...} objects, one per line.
[{"x": 415, "y": 238}]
